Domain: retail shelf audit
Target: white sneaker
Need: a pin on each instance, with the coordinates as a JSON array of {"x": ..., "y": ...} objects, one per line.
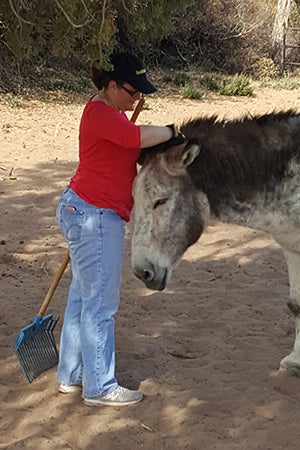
[
  {"x": 69, "y": 388},
  {"x": 118, "y": 397}
]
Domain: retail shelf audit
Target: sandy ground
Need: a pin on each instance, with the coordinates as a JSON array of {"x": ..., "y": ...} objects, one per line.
[{"x": 205, "y": 352}]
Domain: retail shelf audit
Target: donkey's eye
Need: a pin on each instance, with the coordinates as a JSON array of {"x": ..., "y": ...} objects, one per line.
[{"x": 159, "y": 202}]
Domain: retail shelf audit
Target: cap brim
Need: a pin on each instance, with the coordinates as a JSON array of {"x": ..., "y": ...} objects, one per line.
[{"x": 143, "y": 85}]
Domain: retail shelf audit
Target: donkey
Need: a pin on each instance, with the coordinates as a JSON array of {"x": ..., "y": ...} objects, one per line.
[{"x": 245, "y": 172}]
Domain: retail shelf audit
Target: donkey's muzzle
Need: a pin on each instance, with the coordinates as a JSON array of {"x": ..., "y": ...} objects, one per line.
[{"x": 154, "y": 277}]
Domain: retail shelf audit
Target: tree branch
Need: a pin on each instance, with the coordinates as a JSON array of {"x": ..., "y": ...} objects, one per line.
[
  {"x": 17, "y": 15},
  {"x": 74, "y": 25}
]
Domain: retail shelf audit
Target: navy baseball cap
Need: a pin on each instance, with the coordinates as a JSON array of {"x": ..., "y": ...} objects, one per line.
[{"x": 129, "y": 68}]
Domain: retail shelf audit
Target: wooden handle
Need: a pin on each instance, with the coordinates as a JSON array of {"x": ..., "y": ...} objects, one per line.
[
  {"x": 137, "y": 110},
  {"x": 54, "y": 284}
]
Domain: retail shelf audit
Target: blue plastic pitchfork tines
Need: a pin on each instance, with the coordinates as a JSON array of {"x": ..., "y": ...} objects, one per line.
[{"x": 35, "y": 345}]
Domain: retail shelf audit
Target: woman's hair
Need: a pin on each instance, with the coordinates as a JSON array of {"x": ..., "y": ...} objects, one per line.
[{"x": 100, "y": 77}]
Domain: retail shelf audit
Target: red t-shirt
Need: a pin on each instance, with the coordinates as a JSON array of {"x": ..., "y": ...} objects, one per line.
[{"x": 109, "y": 146}]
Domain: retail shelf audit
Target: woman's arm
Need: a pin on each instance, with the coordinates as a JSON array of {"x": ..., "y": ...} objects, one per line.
[{"x": 152, "y": 135}]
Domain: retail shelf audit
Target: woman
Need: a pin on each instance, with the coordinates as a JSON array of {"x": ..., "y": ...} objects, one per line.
[{"x": 92, "y": 213}]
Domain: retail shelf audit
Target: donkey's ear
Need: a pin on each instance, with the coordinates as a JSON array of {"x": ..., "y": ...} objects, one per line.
[
  {"x": 181, "y": 157},
  {"x": 189, "y": 153}
]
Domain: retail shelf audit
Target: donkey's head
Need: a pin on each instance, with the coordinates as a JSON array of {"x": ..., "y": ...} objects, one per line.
[{"x": 169, "y": 214}]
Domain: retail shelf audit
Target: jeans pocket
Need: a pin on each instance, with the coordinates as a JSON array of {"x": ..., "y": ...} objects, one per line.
[{"x": 70, "y": 221}]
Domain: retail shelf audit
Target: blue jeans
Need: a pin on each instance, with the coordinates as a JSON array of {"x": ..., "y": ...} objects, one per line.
[{"x": 95, "y": 237}]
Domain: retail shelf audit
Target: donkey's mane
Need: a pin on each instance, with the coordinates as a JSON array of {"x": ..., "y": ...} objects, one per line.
[
  {"x": 204, "y": 129},
  {"x": 245, "y": 155}
]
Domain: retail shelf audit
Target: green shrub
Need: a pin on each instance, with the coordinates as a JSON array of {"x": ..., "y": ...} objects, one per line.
[
  {"x": 211, "y": 81},
  {"x": 182, "y": 78},
  {"x": 284, "y": 82},
  {"x": 237, "y": 85},
  {"x": 67, "y": 85},
  {"x": 12, "y": 101},
  {"x": 227, "y": 85},
  {"x": 190, "y": 91}
]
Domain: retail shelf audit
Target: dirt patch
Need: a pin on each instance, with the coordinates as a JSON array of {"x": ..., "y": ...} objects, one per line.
[{"x": 205, "y": 351}]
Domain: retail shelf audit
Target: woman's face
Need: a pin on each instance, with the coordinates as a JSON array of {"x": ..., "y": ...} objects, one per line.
[{"x": 124, "y": 95}]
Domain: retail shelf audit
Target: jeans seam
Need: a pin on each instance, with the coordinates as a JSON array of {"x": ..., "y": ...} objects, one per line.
[{"x": 101, "y": 299}]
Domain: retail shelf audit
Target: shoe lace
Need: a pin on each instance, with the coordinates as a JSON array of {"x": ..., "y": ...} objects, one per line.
[{"x": 117, "y": 393}]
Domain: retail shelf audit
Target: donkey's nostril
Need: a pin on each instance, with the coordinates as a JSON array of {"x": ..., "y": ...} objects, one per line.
[
  {"x": 154, "y": 276},
  {"x": 148, "y": 275},
  {"x": 145, "y": 271}
]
